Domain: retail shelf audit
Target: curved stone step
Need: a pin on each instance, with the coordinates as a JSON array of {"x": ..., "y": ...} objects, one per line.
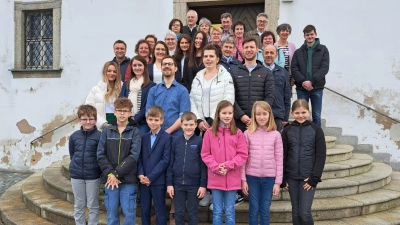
[
  {"x": 339, "y": 153},
  {"x": 357, "y": 164},
  {"x": 330, "y": 141},
  {"x": 13, "y": 211},
  {"x": 65, "y": 167}
]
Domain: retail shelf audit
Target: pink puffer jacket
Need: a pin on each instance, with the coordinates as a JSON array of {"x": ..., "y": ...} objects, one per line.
[{"x": 265, "y": 155}]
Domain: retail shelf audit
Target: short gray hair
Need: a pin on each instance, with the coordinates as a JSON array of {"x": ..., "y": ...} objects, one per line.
[
  {"x": 228, "y": 40},
  {"x": 192, "y": 11},
  {"x": 264, "y": 15},
  {"x": 226, "y": 15},
  {"x": 170, "y": 32},
  {"x": 284, "y": 26},
  {"x": 206, "y": 21}
]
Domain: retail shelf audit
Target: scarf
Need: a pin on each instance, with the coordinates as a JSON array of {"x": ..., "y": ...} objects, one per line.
[{"x": 135, "y": 86}]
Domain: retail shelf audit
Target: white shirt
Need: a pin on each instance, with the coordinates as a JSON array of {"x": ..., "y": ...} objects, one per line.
[{"x": 157, "y": 74}]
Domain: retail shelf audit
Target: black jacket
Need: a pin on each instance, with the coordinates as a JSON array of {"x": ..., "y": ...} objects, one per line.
[
  {"x": 123, "y": 66},
  {"x": 304, "y": 152},
  {"x": 190, "y": 72},
  {"x": 186, "y": 166},
  {"x": 82, "y": 151},
  {"x": 119, "y": 153},
  {"x": 234, "y": 63},
  {"x": 251, "y": 87},
  {"x": 281, "y": 106},
  {"x": 320, "y": 66},
  {"x": 186, "y": 30}
]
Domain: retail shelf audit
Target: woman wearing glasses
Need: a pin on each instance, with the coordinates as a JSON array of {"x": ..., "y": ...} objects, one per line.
[
  {"x": 103, "y": 95},
  {"x": 176, "y": 26},
  {"x": 136, "y": 89}
]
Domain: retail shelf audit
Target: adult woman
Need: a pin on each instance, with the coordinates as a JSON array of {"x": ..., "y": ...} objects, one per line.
[
  {"x": 216, "y": 35},
  {"x": 210, "y": 86},
  {"x": 136, "y": 89},
  {"x": 288, "y": 48},
  {"x": 176, "y": 26},
  {"x": 268, "y": 38},
  {"x": 142, "y": 48},
  {"x": 182, "y": 50},
  {"x": 205, "y": 26},
  {"x": 160, "y": 50},
  {"x": 151, "y": 39},
  {"x": 103, "y": 95},
  {"x": 193, "y": 63},
  {"x": 238, "y": 31}
]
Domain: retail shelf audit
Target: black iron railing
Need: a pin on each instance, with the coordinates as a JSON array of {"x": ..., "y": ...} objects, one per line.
[{"x": 40, "y": 137}]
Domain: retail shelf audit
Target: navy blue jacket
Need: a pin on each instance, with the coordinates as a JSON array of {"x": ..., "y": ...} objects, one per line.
[
  {"x": 234, "y": 63},
  {"x": 118, "y": 153},
  {"x": 281, "y": 106},
  {"x": 123, "y": 66},
  {"x": 178, "y": 75},
  {"x": 82, "y": 151},
  {"x": 186, "y": 166},
  {"x": 140, "y": 116},
  {"x": 153, "y": 161}
]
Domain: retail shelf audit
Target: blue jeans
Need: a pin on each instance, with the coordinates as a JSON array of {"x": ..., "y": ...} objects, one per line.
[
  {"x": 186, "y": 194},
  {"x": 260, "y": 195},
  {"x": 301, "y": 202},
  {"x": 223, "y": 201},
  {"x": 144, "y": 128},
  {"x": 316, "y": 102},
  {"x": 124, "y": 196}
]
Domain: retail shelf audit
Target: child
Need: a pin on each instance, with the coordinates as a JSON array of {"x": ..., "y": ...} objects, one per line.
[
  {"x": 83, "y": 168},
  {"x": 117, "y": 154},
  {"x": 153, "y": 163},
  {"x": 303, "y": 161},
  {"x": 224, "y": 151},
  {"x": 187, "y": 173},
  {"x": 262, "y": 173}
]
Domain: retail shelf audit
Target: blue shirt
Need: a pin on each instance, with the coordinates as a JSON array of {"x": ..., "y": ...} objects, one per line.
[
  {"x": 153, "y": 137},
  {"x": 173, "y": 100},
  {"x": 269, "y": 67}
]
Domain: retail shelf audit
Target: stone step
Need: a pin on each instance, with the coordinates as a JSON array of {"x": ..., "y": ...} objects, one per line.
[
  {"x": 338, "y": 153},
  {"x": 357, "y": 164},
  {"x": 65, "y": 167},
  {"x": 330, "y": 141}
]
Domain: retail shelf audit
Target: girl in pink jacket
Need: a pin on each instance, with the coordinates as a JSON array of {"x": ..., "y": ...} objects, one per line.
[
  {"x": 224, "y": 152},
  {"x": 262, "y": 173}
]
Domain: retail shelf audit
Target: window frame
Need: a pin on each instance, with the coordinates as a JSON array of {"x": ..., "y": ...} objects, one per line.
[{"x": 20, "y": 8}]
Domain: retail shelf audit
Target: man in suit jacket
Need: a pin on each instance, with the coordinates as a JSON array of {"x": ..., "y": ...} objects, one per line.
[
  {"x": 261, "y": 22},
  {"x": 191, "y": 20}
]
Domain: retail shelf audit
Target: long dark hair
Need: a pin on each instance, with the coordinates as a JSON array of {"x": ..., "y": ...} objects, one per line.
[
  {"x": 178, "y": 55},
  {"x": 154, "y": 50},
  {"x": 223, "y": 104},
  {"x": 146, "y": 77},
  {"x": 193, "y": 50}
]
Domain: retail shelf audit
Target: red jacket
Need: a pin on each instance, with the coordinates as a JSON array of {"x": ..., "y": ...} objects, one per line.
[{"x": 228, "y": 149}]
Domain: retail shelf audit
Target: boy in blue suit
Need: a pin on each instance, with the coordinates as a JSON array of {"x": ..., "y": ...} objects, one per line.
[{"x": 153, "y": 163}]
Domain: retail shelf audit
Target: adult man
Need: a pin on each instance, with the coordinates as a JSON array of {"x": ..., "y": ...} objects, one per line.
[
  {"x": 281, "y": 106},
  {"x": 171, "y": 96},
  {"x": 191, "y": 20},
  {"x": 253, "y": 82},
  {"x": 120, "y": 58},
  {"x": 171, "y": 41},
  {"x": 227, "y": 60},
  {"x": 226, "y": 22},
  {"x": 310, "y": 64},
  {"x": 261, "y": 22}
]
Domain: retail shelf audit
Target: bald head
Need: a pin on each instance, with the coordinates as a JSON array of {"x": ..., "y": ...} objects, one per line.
[{"x": 269, "y": 54}]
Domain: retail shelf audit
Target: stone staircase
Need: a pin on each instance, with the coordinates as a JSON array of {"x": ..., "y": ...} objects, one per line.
[{"x": 355, "y": 190}]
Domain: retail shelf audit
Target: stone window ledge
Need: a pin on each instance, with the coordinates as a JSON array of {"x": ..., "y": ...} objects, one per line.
[{"x": 36, "y": 73}]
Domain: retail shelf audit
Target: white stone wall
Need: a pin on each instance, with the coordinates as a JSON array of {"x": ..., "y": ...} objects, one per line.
[
  {"x": 362, "y": 38},
  {"x": 32, "y": 106}
]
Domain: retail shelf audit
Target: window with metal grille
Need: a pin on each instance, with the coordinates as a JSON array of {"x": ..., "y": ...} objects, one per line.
[{"x": 39, "y": 39}]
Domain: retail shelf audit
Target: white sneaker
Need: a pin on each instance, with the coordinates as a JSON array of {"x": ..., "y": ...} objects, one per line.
[
  {"x": 211, "y": 207},
  {"x": 206, "y": 200}
]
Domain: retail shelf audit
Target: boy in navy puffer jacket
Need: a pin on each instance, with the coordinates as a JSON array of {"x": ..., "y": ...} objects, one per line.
[
  {"x": 187, "y": 174},
  {"x": 84, "y": 169}
]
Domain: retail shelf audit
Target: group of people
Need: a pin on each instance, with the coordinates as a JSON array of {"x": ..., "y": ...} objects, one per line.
[{"x": 202, "y": 116}]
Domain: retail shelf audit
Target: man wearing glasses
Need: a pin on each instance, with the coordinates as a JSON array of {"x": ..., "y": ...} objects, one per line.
[
  {"x": 171, "y": 96},
  {"x": 261, "y": 22}
]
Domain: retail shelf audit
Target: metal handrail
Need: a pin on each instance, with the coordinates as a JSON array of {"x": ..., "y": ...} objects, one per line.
[
  {"x": 365, "y": 106},
  {"x": 40, "y": 137}
]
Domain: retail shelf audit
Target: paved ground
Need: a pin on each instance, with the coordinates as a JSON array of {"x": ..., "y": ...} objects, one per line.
[{"x": 7, "y": 179}]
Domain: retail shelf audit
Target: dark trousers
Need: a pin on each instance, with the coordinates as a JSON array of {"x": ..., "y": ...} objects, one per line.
[
  {"x": 278, "y": 122},
  {"x": 186, "y": 194},
  {"x": 157, "y": 194},
  {"x": 301, "y": 202}
]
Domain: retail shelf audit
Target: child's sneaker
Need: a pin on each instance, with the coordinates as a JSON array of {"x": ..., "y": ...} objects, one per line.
[
  {"x": 206, "y": 200},
  {"x": 239, "y": 199}
]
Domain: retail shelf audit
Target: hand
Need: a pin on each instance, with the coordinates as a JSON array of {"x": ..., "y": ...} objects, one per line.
[
  {"x": 168, "y": 131},
  {"x": 287, "y": 186},
  {"x": 284, "y": 123},
  {"x": 307, "y": 85},
  {"x": 222, "y": 169},
  {"x": 201, "y": 192},
  {"x": 275, "y": 190},
  {"x": 245, "y": 188},
  {"x": 203, "y": 126},
  {"x": 292, "y": 82},
  {"x": 112, "y": 182},
  {"x": 245, "y": 119},
  {"x": 170, "y": 190},
  {"x": 306, "y": 186}
]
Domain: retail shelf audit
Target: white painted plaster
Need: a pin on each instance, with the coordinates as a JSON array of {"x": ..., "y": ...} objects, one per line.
[
  {"x": 364, "y": 62},
  {"x": 88, "y": 31}
]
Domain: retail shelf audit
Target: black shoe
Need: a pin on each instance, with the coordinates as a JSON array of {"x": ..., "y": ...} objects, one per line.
[{"x": 239, "y": 199}]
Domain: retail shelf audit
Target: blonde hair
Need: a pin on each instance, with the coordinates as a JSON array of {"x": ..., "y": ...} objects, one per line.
[
  {"x": 271, "y": 121},
  {"x": 214, "y": 28},
  {"x": 112, "y": 91}
]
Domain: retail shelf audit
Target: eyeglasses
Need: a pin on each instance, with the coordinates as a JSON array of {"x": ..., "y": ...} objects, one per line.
[
  {"x": 122, "y": 111},
  {"x": 262, "y": 21},
  {"x": 169, "y": 39},
  {"x": 176, "y": 25},
  {"x": 167, "y": 64},
  {"x": 87, "y": 120}
]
